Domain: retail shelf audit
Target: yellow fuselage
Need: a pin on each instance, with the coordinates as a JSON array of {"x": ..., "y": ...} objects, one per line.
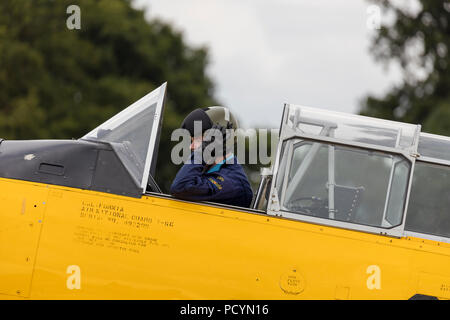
[{"x": 65, "y": 243}]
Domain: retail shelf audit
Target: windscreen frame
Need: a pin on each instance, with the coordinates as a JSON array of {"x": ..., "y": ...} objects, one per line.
[
  {"x": 287, "y": 133},
  {"x": 157, "y": 97},
  {"x": 439, "y": 162}
]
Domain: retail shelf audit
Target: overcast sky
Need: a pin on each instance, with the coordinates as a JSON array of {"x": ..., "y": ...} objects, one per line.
[{"x": 265, "y": 53}]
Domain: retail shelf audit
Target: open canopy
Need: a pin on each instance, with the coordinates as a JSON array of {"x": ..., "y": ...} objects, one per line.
[{"x": 133, "y": 134}]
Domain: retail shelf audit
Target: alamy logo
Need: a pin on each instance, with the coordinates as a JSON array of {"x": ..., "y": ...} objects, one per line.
[
  {"x": 74, "y": 278},
  {"x": 374, "y": 17},
  {"x": 74, "y": 20},
  {"x": 213, "y": 144},
  {"x": 374, "y": 280}
]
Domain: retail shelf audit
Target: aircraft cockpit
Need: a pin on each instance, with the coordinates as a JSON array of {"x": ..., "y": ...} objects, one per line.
[
  {"x": 349, "y": 205},
  {"x": 342, "y": 168},
  {"x": 359, "y": 173},
  {"x": 335, "y": 169}
]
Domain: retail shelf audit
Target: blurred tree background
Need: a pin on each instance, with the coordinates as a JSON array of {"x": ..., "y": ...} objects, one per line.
[
  {"x": 419, "y": 41},
  {"x": 58, "y": 83}
]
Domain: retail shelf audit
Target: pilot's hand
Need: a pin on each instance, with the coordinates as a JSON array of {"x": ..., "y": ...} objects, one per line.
[{"x": 196, "y": 143}]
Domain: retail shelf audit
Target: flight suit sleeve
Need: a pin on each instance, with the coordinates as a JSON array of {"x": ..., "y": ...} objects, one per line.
[{"x": 192, "y": 184}]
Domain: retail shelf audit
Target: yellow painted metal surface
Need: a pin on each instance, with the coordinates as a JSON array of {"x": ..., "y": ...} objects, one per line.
[
  {"x": 22, "y": 207},
  {"x": 92, "y": 245}
]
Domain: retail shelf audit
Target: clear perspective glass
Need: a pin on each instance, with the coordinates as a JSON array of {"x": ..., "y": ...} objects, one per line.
[
  {"x": 429, "y": 202},
  {"x": 434, "y": 146},
  {"x": 348, "y": 127},
  {"x": 343, "y": 183},
  {"x": 130, "y": 132}
]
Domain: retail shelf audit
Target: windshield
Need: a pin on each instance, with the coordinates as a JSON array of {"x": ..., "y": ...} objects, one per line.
[
  {"x": 133, "y": 133},
  {"x": 343, "y": 183}
]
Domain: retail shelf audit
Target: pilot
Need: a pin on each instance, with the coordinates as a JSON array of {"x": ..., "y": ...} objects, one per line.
[{"x": 223, "y": 180}]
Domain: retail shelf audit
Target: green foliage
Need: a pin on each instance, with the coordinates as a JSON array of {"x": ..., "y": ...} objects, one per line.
[
  {"x": 420, "y": 43},
  {"x": 59, "y": 83}
]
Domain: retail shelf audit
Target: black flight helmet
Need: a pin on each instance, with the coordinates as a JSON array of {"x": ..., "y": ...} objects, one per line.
[
  {"x": 216, "y": 117},
  {"x": 219, "y": 117}
]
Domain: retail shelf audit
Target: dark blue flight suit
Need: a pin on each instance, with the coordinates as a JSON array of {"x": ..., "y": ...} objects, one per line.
[{"x": 224, "y": 183}]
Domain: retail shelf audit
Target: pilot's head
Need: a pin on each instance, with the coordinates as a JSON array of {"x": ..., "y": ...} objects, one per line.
[{"x": 214, "y": 117}]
